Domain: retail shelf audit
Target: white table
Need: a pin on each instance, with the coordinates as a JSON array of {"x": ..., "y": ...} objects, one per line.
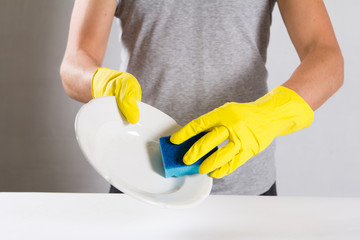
[{"x": 115, "y": 216}]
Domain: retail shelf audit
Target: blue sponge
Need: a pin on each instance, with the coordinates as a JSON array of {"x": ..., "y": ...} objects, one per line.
[{"x": 172, "y": 156}]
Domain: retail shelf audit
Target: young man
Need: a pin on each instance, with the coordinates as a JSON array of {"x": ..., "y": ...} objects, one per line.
[{"x": 203, "y": 63}]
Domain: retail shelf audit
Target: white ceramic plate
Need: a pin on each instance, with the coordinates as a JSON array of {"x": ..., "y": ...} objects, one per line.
[{"x": 128, "y": 155}]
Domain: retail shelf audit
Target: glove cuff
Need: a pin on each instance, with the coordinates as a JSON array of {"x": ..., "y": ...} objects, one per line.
[
  {"x": 290, "y": 109},
  {"x": 100, "y": 80}
]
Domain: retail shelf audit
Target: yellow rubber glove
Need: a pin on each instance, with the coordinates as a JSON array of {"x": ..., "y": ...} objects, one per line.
[
  {"x": 249, "y": 127},
  {"x": 123, "y": 86}
]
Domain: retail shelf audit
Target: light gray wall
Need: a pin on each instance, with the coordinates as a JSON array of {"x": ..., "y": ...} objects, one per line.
[{"x": 38, "y": 148}]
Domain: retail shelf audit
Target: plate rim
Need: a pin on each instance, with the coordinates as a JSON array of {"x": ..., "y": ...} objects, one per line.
[{"x": 149, "y": 200}]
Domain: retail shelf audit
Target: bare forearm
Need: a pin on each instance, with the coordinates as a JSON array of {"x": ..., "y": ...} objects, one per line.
[
  {"x": 76, "y": 74},
  {"x": 320, "y": 75}
]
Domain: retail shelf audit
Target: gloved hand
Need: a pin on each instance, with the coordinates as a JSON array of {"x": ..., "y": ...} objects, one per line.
[
  {"x": 123, "y": 86},
  {"x": 249, "y": 127}
]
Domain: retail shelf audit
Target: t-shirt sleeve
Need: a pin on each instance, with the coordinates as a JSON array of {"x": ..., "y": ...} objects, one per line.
[{"x": 117, "y": 7}]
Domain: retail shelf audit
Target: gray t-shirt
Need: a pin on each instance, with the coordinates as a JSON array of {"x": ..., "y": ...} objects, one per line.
[{"x": 191, "y": 56}]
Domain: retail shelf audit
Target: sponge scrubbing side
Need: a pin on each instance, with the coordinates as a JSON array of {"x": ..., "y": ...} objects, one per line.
[{"x": 172, "y": 157}]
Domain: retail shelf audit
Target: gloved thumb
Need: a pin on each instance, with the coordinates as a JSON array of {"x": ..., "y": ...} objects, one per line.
[
  {"x": 130, "y": 109},
  {"x": 129, "y": 93}
]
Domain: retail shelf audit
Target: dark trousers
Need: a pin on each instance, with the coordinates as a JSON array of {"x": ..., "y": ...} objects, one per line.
[{"x": 270, "y": 192}]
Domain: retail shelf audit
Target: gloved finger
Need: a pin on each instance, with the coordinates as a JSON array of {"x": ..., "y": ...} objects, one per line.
[
  {"x": 242, "y": 157},
  {"x": 219, "y": 158},
  {"x": 196, "y": 126},
  {"x": 205, "y": 144}
]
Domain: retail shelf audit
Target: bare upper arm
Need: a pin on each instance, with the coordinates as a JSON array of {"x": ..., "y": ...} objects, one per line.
[
  {"x": 90, "y": 27},
  {"x": 307, "y": 23}
]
